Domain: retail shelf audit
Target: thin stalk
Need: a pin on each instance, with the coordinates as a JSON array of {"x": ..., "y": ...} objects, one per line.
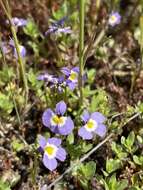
[
  {"x": 94, "y": 42},
  {"x": 11, "y": 91},
  {"x": 137, "y": 73},
  {"x": 7, "y": 11},
  {"x": 141, "y": 41},
  {"x": 34, "y": 168},
  {"x": 81, "y": 47}
]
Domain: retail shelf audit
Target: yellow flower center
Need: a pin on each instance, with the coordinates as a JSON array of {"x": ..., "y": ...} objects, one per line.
[
  {"x": 91, "y": 125},
  {"x": 49, "y": 150},
  {"x": 113, "y": 18},
  {"x": 57, "y": 120},
  {"x": 73, "y": 76}
]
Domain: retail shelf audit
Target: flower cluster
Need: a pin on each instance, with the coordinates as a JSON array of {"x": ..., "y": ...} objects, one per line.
[
  {"x": 70, "y": 79},
  {"x": 5, "y": 48},
  {"x": 19, "y": 22},
  {"x": 58, "y": 27},
  {"x": 22, "y": 49},
  {"x": 71, "y": 76},
  {"x": 61, "y": 124}
]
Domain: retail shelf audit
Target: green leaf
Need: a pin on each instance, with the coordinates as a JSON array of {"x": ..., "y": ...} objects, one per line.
[
  {"x": 6, "y": 74},
  {"x": 105, "y": 185},
  {"x": 4, "y": 185},
  {"x": 118, "y": 151},
  {"x": 112, "y": 182},
  {"x": 134, "y": 188},
  {"x": 5, "y": 103},
  {"x": 91, "y": 75},
  {"x": 140, "y": 139},
  {"x": 138, "y": 160},
  {"x": 62, "y": 11},
  {"x": 131, "y": 139},
  {"x": 122, "y": 185},
  {"x": 32, "y": 78},
  {"x": 89, "y": 169},
  {"x": 86, "y": 147},
  {"x": 17, "y": 145},
  {"x": 31, "y": 29},
  {"x": 70, "y": 138},
  {"x": 129, "y": 142},
  {"x": 35, "y": 47},
  {"x": 112, "y": 165},
  {"x": 123, "y": 141},
  {"x": 99, "y": 102}
]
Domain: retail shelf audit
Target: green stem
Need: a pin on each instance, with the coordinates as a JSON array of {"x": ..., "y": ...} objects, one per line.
[
  {"x": 11, "y": 91},
  {"x": 7, "y": 11},
  {"x": 81, "y": 48}
]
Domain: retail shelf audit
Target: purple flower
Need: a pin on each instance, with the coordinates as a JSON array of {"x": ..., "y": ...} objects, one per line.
[
  {"x": 4, "y": 47},
  {"x": 58, "y": 27},
  {"x": 52, "y": 152},
  {"x": 53, "y": 82},
  {"x": 48, "y": 78},
  {"x": 18, "y": 21},
  {"x": 57, "y": 30},
  {"x": 21, "y": 48},
  {"x": 65, "y": 30},
  {"x": 93, "y": 124},
  {"x": 61, "y": 21},
  {"x": 22, "y": 52},
  {"x": 71, "y": 76},
  {"x": 56, "y": 122},
  {"x": 114, "y": 19},
  {"x": 51, "y": 29}
]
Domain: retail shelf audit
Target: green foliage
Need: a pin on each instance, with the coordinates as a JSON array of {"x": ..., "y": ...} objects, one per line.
[
  {"x": 6, "y": 75},
  {"x": 35, "y": 47},
  {"x": 139, "y": 107},
  {"x": 34, "y": 83},
  {"x": 129, "y": 142},
  {"x": 77, "y": 150},
  {"x": 99, "y": 102},
  {"x": 118, "y": 151},
  {"x": 70, "y": 139},
  {"x": 88, "y": 170},
  {"x": 31, "y": 29},
  {"x": 138, "y": 160},
  {"x": 112, "y": 183},
  {"x": 87, "y": 92},
  {"x": 91, "y": 75},
  {"x": 61, "y": 12},
  {"x": 135, "y": 188},
  {"x": 112, "y": 165},
  {"x": 101, "y": 53},
  {"x": 17, "y": 145},
  {"x": 85, "y": 174},
  {"x": 6, "y": 104},
  {"x": 4, "y": 185}
]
